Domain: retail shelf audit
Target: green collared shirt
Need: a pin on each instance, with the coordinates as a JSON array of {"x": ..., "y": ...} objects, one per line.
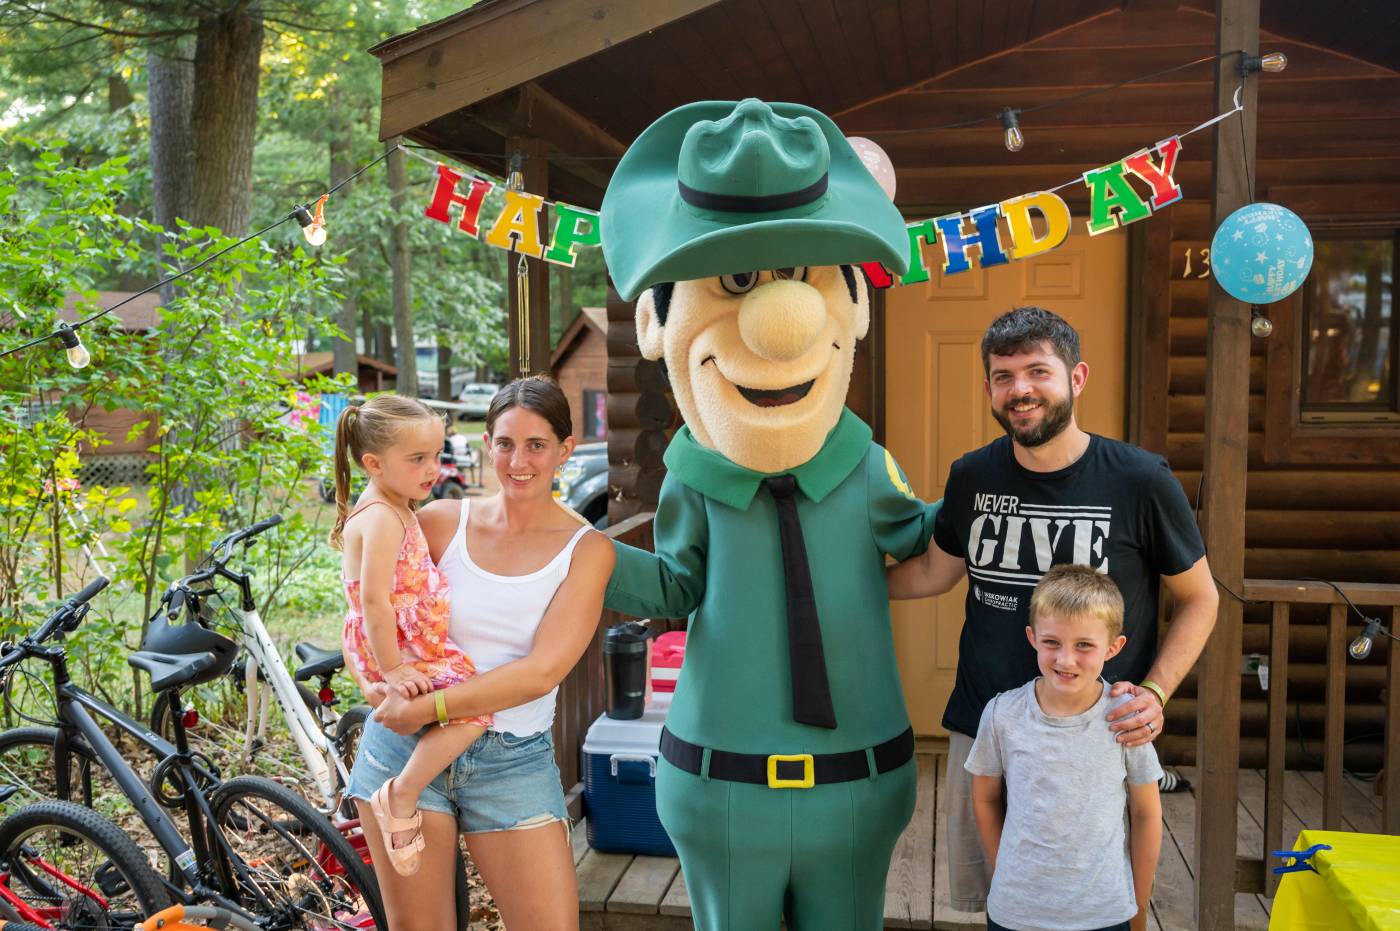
[
  {"x": 718, "y": 561},
  {"x": 715, "y": 476}
]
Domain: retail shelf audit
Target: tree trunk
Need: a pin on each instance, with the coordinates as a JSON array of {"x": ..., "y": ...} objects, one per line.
[
  {"x": 400, "y": 266},
  {"x": 119, "y": 97},
  {"x": 444, "y": 360},
  {"x": 228, "y": 47},
  {"x": 342, "y": 165},
  {"x": 170, "y": 92}
]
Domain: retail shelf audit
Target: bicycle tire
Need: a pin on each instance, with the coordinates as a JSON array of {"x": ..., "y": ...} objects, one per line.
[
  {"x": 26, "y": 761},
  {"x": 121, "y": 876},
  {"x": 340, "y": 882}
]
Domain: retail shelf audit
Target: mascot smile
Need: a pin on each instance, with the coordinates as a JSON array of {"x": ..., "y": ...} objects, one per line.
[{"x": 787, "y": 769}]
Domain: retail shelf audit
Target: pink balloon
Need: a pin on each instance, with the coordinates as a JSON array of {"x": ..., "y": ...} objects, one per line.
[{"x": 876, "y": 162}]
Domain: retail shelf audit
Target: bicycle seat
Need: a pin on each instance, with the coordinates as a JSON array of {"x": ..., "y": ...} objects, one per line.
[
  {"x": 317, "y": 662},
  {"x": 169, "y": 670}
]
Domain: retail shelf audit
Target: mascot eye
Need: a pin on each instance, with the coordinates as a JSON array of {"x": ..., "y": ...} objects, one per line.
[
  {"x": 739, "y": 282},
  {"x": 798, "y": 273}
]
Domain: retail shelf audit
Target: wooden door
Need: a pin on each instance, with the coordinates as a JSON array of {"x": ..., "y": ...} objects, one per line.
[{"x": 936, "y": 407}]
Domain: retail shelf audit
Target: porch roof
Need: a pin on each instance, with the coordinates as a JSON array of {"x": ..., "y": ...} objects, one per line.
[{"x": 586, "y": 76}]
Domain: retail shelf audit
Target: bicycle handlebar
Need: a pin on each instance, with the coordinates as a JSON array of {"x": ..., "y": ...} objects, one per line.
[
  {"x": 226, "y": 544},
  {"x": 56, "y": 621}
]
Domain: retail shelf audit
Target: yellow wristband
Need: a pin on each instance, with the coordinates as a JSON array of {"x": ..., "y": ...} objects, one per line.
[
  {"x": 1155, "y": 689},
  {"x": 440, "y": 701}
]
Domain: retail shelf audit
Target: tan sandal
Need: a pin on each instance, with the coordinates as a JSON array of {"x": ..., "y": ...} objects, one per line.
[{"x": 406, "y": 859}]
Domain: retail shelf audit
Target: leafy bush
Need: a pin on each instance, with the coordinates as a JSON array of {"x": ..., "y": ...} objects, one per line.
[{"x": 216, "y": 381}]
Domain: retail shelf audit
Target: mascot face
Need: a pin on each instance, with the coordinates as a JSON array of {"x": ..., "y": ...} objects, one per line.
[{"x": 759, "y": 361}]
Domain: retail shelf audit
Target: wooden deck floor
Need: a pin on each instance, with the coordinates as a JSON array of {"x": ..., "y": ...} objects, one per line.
[{"x": 625, "y": 893}]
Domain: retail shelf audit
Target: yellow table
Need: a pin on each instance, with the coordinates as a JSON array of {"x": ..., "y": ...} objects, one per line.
[{"x": 1354, "y": 886}]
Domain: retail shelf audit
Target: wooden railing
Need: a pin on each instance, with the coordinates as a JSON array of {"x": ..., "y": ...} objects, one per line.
[
  {"x": 581, "y": 695},
  {"x": 1382, "y": 601}
]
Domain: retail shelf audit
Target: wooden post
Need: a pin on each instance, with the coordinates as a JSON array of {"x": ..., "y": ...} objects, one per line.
[
  {"x": 1277, "y": 738},
  {"x": 1390, "y": 772},
  {"x": 1226, "y": 462},
  {"x": 536, "y": 171}
]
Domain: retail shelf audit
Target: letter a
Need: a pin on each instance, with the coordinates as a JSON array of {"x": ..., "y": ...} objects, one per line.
[{"x": 1110, "y": 191}]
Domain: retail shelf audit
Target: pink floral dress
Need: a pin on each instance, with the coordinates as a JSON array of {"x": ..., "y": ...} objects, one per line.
[{"x": 420, "y": 607}]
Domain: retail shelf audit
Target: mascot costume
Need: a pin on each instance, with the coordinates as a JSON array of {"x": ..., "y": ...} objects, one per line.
[{"x": 787, "y": 770}]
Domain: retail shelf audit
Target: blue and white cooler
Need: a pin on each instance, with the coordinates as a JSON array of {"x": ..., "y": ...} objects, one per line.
[{"x": 619, "y": 783}]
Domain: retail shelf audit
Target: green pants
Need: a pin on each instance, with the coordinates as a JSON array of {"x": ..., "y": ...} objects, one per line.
[{"x": 816, "y": 857}]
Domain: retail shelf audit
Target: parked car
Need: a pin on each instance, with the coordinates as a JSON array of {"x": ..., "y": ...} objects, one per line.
[
  {"x": 477, "y": 398},
  {"x": 583, "y": 483}
]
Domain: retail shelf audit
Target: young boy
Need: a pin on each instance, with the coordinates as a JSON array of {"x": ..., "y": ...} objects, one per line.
[{"x": 1055, "y": 838}]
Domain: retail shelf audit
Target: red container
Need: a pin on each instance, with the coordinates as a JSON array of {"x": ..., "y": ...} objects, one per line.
[{"x": 667, "y": 653}]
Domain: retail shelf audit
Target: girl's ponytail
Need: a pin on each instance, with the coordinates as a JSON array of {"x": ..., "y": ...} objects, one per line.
[{"x": 344, "y": 445}]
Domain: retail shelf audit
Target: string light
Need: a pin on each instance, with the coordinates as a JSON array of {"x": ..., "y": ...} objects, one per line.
[
  {"x": 77, "y": 353},
  {"x": 313, "y": 227},
  {"x": 515, "y": 180},
  {"x": 1015, "y": 140},
  {"x": 1260, "y": 325},
  {"x": 1274, "y": 62}
]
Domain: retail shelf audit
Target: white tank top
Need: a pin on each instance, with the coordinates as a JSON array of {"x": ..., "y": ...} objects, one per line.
[{"x": 494, "y": 618}]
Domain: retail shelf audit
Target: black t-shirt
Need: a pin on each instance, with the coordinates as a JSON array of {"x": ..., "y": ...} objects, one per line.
[{"x": 1117, "y": 508}]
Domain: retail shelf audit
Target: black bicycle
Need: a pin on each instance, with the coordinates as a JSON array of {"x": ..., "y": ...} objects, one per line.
[{"x": 254, "y": 846}]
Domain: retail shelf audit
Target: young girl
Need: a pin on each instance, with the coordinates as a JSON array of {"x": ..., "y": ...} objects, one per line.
[{"x": 396, "y": 625}]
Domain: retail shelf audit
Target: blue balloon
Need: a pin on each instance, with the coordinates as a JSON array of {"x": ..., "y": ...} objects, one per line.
[{"x": 1261, "y": 253}]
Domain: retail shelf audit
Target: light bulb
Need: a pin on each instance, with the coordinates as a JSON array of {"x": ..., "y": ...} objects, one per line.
[
  {"x": 1013, "y": 136},
  {"x": 1361, "y": 647},
  {"x": 515, "y": 180},
  {"x": 313, "y": 226},
  {"x": 1261, "y": 326},
  {"x": 77, "y": 353},
  {"x": 1273, "y": 62},
  {"x": 79, "y": 357}
]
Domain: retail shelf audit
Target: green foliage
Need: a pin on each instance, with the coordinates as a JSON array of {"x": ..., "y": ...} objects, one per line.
[{"x": 216, "y": 381}]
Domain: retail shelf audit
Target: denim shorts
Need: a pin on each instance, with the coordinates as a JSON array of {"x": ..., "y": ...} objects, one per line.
[{"x": 502, "y": 782}]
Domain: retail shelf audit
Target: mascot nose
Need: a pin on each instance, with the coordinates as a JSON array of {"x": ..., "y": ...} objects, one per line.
[{"x": 782, "y": 319}]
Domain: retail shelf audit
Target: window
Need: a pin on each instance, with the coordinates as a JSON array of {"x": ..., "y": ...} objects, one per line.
[
  {"x": 595, "y": 414},
  {"x": 1349, "y": 332},
  {"x": 1332, "y": 380}
]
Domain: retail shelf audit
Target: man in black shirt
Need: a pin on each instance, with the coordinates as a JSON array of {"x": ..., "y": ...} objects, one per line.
[{"x": 1048, "y": 493}]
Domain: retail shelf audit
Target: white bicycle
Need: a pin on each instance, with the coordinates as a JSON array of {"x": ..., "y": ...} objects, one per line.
[{"x": 324, "y": 737}]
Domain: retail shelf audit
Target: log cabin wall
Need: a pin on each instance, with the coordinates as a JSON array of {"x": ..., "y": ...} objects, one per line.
[
  {"x": 641, "y": 417},
  {"x": 1327, "y": 127}
]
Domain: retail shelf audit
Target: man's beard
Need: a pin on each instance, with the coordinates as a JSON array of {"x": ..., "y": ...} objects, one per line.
[{"x": 1057, "y": 415}]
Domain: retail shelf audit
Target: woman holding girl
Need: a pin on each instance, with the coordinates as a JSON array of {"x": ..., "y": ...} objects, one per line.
[{"x": 522, "y": 584}]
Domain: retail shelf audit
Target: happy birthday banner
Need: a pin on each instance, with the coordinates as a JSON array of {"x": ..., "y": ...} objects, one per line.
[
  {"x": 1113, "y": 202},
  {"x": 1122, "y": 192}
]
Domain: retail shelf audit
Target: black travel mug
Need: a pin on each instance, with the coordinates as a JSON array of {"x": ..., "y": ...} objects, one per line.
[{"x": 625, "y": 666}]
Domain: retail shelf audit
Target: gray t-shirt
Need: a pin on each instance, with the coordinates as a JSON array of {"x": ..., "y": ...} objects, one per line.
[{"x": 1063, "y": 864}]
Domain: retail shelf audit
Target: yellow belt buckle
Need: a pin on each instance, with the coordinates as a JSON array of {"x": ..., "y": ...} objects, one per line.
[{"x": 808, "y": 777}]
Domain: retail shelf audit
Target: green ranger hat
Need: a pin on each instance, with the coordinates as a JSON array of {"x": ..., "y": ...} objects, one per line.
[{"x": 717, "y": 187}]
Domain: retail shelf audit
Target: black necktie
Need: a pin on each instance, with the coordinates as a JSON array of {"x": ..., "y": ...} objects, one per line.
[{"x": 811, "y": 693}]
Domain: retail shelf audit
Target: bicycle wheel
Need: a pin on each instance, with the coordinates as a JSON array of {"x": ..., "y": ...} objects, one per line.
[
  {"x": 27, "y": 763},
  {"x": 304, "y": 873},
  {"x": 77, "y": 870}
]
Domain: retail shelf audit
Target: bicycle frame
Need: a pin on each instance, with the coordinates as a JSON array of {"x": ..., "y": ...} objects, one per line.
[
  {"x": 315, "y": 745},
  {"x": 208, "y": 848}
]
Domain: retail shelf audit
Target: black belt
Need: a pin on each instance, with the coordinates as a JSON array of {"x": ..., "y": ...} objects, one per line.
[{"x": 789, "y": 771}]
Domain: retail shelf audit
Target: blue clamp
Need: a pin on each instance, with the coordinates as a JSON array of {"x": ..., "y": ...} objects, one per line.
[{"x": 1300, "y": 859}]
